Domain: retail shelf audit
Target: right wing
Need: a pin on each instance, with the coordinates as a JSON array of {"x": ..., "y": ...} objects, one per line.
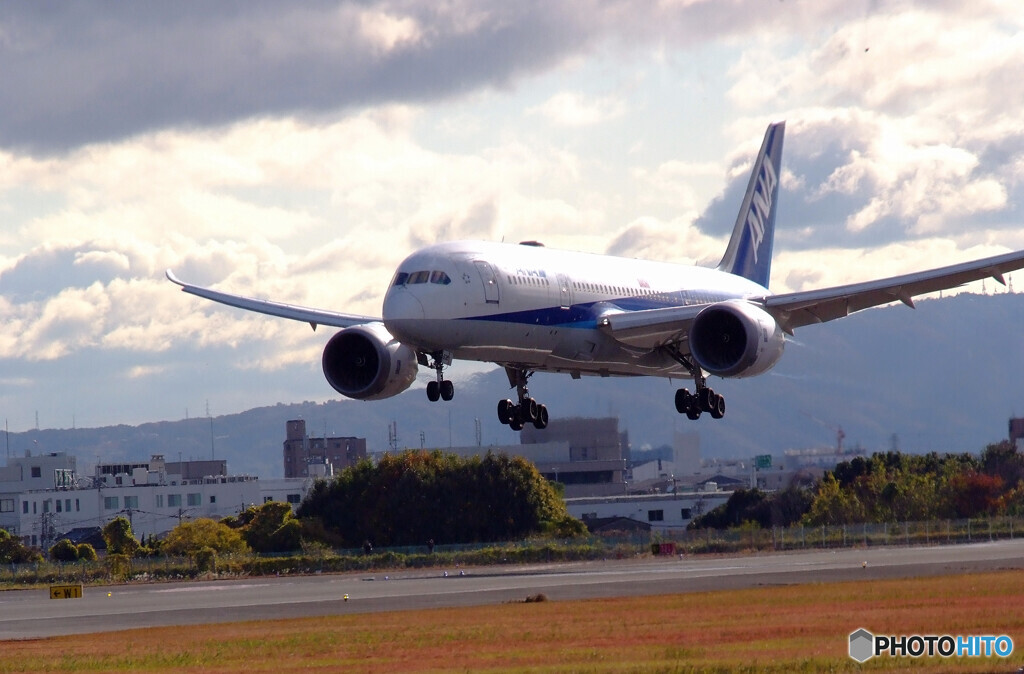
[{"x": 314, "y": 317}]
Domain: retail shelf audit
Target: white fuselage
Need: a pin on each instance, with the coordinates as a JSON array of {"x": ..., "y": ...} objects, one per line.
[{"x": 539, "y": 308}]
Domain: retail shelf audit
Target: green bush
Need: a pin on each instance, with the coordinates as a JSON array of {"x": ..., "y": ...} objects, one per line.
[
  {"x": 118, "y": 536},
  {"x": 206, "y": 560},
  {"x": 119, "y": 566},
  {"x": 189, "y": 538},
  {"x": 64, "y": 551},
  {"x": 86, "y": 552},
  {"x": 13, "y": 551}
]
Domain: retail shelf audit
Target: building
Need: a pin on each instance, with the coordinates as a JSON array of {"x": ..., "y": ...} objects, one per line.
[
  {"x": 663, "y": 512},
  {"x": 586, "y": 455},
  {"x": 1017, "y": 433},
  {"x": 43, "y": 497},
  {"x": 317, "y": 457}
]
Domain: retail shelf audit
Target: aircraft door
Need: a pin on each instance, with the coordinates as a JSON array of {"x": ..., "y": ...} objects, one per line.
[
  {"x": 564, "y": 291},
  {"x": 490, "y": 281}
]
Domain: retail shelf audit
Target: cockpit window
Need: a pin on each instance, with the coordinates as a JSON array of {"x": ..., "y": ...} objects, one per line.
[
  {"x": 419, "y": 277},
  {"x": 440, "y": 278},
  {"x": 400, "y": 278}
]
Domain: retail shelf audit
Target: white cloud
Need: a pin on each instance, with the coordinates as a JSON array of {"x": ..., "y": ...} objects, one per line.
[
  {"x": 328, "y": 158},
  {"x": 570, "y": 108},
  {"x": 386, "y": 31}
]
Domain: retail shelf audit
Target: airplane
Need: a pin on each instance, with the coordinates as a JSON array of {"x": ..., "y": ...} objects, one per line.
[{"x": 532, "y": 309}]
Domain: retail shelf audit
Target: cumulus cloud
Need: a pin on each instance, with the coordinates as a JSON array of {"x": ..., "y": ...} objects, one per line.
[
  {"x": 575, "y": 109},
  {"x": 298, "y": 152}
]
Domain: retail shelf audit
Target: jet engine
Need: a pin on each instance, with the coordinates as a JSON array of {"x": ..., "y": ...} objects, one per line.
[
  {"x": 736, "y": 339},
  {"x": 366, "y": 363}
]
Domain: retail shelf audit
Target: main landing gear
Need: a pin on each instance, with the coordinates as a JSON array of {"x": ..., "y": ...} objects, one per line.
[
  {"x": 527, "y": 411},
  {"x": 442, "y": 388},
  {"x": 704, "y": 400}
]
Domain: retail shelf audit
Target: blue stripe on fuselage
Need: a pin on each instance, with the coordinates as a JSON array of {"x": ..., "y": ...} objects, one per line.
[{"x": 585, "y": 315}]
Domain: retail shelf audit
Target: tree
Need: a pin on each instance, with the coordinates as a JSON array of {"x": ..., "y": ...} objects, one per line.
[
  {"x": 833, "y": 504},
  {"x": 1004, "y": 461},
  {"x": 13, "y": 551},
  {"x": 117, "y": 534},
  {"x": 271, "y": 527},
  {"x": 64, "y": 551},
  {"x": 188, "y": 538},
  {"x": 416, "y": 496},
  {"x": 86, "y": 552},
  {"x": 972, "y": 494}
]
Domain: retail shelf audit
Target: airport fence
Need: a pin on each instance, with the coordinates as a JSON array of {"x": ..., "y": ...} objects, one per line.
[
  {"x": 798, "y": 537},
  {"x": 749, "y": 538}
]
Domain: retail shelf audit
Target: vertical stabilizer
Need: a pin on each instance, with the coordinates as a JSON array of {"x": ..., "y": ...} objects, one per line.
[{"x": 750, "y": 249}]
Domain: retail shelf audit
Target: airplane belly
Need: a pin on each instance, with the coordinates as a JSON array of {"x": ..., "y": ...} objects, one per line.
[
  {"x": 550, "y": 348},
  {"x": 558, "y": 349}
]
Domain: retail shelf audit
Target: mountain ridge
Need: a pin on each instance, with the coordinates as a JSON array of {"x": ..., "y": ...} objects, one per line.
[{"x": 945, "y": 378}]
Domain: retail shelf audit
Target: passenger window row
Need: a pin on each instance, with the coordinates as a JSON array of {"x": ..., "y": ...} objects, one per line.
[{"x": 527, "y": 280}]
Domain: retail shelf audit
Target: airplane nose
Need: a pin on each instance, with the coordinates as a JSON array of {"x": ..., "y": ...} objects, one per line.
[{"x": 400, "y": 304}]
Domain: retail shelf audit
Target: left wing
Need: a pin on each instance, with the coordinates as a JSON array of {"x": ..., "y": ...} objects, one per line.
[
  {"x": 314, "y": 317},
  {"x": 795, "y": 310},
  {"x": 657, "y": 327}
]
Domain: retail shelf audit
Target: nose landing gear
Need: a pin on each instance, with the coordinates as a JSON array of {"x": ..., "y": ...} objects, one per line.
[{"x": 441, "y": 389}]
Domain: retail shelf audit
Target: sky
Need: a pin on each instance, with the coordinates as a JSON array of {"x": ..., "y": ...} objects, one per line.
[{"x": 299, "y": 151}]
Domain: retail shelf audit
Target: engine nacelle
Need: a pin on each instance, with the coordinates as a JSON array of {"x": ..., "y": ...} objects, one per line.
[
  {"x": 736, "y": 339},
  {"x": 366, "y": 363}
]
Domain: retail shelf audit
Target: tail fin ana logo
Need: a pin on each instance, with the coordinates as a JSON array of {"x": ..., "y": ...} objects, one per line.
[{"x": 761, "y": 203}]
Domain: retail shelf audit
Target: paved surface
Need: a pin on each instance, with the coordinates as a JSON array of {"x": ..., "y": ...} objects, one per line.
[{"x": 32, "y": 614}]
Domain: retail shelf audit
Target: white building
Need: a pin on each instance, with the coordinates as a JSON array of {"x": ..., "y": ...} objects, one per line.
[
  {"x": 42, "y": 497},
  {"x": 663, "y": 512}
]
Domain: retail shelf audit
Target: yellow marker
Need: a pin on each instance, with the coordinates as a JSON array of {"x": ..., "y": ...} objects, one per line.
[
  {"x": 346, "y": 597},
  {"x": 65, "y": 591}
]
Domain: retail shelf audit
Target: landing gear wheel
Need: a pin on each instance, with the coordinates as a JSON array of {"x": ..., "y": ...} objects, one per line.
[
  {"x": 447, "y": 390},
  {"x": 506, "y": 411},
  {"x": 693, "y": 413},
  {"x": 528, "y": 410},
  {"x": 706, "y": 399},
  {"x": 718, "y": 410},
  {"x": 683, "y": 401},
  {"x": 433, "y": 391},
  {"x": 541, "y": 422}
]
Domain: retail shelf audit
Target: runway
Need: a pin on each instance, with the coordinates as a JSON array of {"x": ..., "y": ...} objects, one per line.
[{"x": 32, "y": 614}]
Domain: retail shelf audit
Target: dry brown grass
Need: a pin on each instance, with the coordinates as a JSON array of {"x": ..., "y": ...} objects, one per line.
[{"x": 784, "y": 629}]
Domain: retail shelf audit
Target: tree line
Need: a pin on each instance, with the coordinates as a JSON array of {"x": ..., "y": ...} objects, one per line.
[
  {"x": 888, "y": 487},
  {"x": 413, "y": 498}
]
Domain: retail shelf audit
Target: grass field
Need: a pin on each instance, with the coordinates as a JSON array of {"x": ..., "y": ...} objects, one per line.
[{"x": 778, "y": 629}]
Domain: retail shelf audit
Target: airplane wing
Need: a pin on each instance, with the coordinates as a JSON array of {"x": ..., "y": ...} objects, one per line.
[
  {"x": 314, "y": 317},
  {"x": 657, "y": 327},
  {"x": 794, "y": 310}
]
